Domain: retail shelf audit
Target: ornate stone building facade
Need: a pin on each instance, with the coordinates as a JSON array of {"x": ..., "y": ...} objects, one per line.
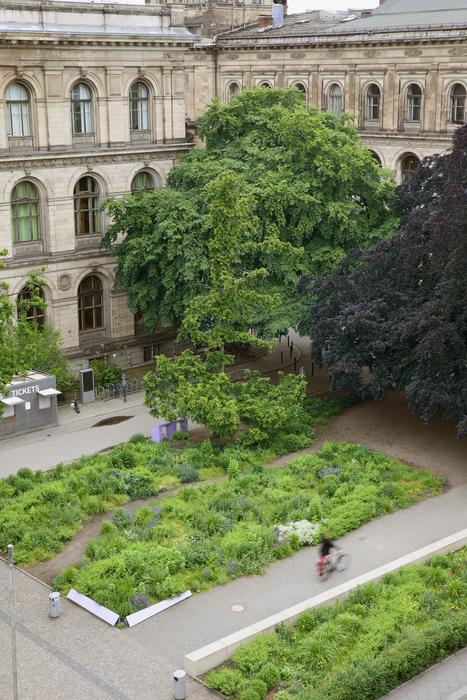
[
  {"x": 211, "y": 17},
  {"x": 402, "y": 71},
  {"x": 94, "y": 101},
  {"x": 92, "y": 104}
]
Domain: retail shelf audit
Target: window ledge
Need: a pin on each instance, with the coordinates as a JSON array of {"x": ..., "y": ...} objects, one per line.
[
  {"x": 27, "y": 248},
  {"x": 88, "y": 241},
  {"x": 140, "y": 136},
  {"x": 20, "y": 143},
  {"x": 83, "y": 139}
]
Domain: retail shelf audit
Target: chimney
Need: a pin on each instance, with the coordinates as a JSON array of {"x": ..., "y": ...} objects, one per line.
[
  {"x": 264, "y": 21},
  {"x": 277, "y": 15}
]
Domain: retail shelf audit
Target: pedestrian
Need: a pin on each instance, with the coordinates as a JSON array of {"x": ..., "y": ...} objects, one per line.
[{"x": 124, "y": 386}]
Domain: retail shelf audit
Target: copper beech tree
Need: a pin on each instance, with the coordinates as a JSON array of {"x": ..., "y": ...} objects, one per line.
[{"x": 400, "y": 309}]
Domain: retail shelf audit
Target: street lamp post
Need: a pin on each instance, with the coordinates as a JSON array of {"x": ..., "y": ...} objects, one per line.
[{"x": 11, "y": 577}]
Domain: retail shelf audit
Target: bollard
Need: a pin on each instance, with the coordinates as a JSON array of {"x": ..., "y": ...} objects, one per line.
[
  {"x": 179, "y": 685},
  {"x": 55, "y": 604}
]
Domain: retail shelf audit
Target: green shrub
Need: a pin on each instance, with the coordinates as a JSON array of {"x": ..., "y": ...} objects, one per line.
[
  {"x": 252, "y": 657},
  {"x": 256, "y": 690},
  {"x": 137, "y": 438},
  {"x": 139, "y": 483},
  {"x": 270, "y": 675},
  {"x": 227, "y": 681},
  {"x": 122, "y": 457},
  {"x": 187, "y": 473},
  {"x": 105, "y": 372}
]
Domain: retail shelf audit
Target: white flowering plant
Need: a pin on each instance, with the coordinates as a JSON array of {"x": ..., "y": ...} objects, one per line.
[{"x": 303, "y": 530}]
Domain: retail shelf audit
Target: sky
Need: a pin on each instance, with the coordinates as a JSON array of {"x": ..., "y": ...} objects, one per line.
[{"x": 298, "y": 5}]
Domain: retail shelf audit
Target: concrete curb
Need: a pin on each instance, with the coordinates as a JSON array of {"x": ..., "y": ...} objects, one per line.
[{"x": 216, "y": 653}]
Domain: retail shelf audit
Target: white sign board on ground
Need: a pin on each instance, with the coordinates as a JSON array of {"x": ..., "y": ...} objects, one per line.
[
  {"x": 91, "y": 606},
  {"x": 144, "y": 614}
]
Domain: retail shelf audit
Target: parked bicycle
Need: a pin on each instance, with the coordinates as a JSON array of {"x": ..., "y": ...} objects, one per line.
[{"x": 337, "y": 561}]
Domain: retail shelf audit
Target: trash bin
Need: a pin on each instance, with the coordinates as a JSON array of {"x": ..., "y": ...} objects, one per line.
[
  {"x": 55, "y": 605},
  {"x": 179, "y": 685}
]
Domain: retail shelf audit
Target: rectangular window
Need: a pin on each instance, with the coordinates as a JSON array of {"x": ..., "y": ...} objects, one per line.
[{"x": 19, "y": 119}]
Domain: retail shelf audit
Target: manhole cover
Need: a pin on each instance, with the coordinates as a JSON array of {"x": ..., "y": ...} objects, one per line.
[
  {"x": 111, "y": 421},
  {"x": 237, "y": 608}
]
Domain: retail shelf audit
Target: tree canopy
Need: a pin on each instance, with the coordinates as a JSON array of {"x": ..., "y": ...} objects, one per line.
[
  {"x": 400, "y": 309},
  {"x": 309, "y": 184},
  {"x": 23, "y": 344}
]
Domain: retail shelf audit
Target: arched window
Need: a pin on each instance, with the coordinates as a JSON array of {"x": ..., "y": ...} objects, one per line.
[
  {"x": 25, "y": 214},
  {"x": 142, "y": 182},
  {"x": 375, "y": 157},
  {"x": 139, "y": 107},
  {"x": 373, "y": 103},
  {"x": 265, "y": 85},
  {"x": 414, "y": 103},
  {"x": 86, "y": 196},
  {"x": 234, "y": 89},
  {"x": 19, "y": 112},
  {"x": 409, "y": 164},
  {"x": 457, "y": 104},
  {"x": 335, "y": 99},
  {"x": 90, "y": 303},
  {"x": 302, "y": 88},
  {"x": 81, "y": 109},
  {"x": 32, "y": 312}
]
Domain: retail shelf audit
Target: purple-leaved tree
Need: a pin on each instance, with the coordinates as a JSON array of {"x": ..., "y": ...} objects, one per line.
[{"x": 400, "y": 309}]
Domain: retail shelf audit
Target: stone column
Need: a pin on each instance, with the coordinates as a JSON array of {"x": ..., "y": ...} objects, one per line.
[
  {"x": 390, "y": 99},
  {"x": 432, "y": 98}
]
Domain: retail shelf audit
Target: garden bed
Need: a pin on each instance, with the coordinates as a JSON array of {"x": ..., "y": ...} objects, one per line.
[
  {"x": 205, "y": 536},
  {"x": 40, "y": 511},
  {"x": 381, "y": 636}
]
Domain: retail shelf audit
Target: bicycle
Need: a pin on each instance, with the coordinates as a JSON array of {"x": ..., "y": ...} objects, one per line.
[
  {"x": 339, "y": 562},
  {"x": 75, "y": 405}
]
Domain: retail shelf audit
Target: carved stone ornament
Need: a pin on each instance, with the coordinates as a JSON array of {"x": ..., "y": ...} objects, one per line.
[
  {"x": 19, "y": 71},
  {"x": 297, "y": 54},
  {"x": 141, "y": 71},
  {"x": 413, "y": 52},
  {"x": 371, "y": 53},
  {"x": 27, "y": 171},
  {"x": 458, "y": 51},
  {"x": 234, "y": 56},
  {"x": 64, "y": 282},
  {"x": 83, "y": 71},
  {"x": 260, "y": 56}
]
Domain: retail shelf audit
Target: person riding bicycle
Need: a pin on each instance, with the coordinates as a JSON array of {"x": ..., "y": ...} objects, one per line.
[{"x": 325, "y": 552}]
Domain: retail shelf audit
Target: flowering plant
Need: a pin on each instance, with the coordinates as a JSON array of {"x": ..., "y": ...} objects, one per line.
[{"x": 303, "y": 529}]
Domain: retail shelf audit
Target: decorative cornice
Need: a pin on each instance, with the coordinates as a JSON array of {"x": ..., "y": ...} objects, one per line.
[
  {"x": 32, "y": 162},
  {"x": 428, "y": 36}
]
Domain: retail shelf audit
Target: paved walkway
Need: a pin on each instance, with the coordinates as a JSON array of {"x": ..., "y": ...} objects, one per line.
[
  {"x": 207, "y": 617},
  {"x": 76, "y": 657},
  {"x": 445, "y": 681}
]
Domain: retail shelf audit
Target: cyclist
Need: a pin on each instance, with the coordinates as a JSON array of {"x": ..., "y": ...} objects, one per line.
[{"x": 325, "y": 552}]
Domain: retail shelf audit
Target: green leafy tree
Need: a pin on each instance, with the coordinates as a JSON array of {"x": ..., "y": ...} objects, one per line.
[
  {"x": 23, "y": 344},
  {"x": 308, "y": 182},
  {"x": 234, "y": 296},
  {"x": 190, "y": 387}
]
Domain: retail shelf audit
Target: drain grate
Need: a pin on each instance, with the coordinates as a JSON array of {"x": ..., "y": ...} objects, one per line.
[{"x": 111, "y": 421}]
